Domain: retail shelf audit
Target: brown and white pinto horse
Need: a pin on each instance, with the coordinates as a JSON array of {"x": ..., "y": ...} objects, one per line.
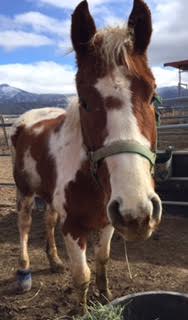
[{"x": 52, "y": 149}]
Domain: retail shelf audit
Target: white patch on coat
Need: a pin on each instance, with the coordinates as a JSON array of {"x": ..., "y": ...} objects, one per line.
[
  {"x": 129, "y": 173},
  {"x": 30, "y": 168},
  {"x": 31, "y": 117},
  {"x": 38, "y": 130},
  {"x": 79, "y": 267},
  {"x": 102, "y": 249},
  {"x": 116, "y": 85},
  {"x": 66, "y": 147}
]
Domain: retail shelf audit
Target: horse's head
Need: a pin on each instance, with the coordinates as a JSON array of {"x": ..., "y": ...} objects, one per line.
[{"x": 116, "y": 87}]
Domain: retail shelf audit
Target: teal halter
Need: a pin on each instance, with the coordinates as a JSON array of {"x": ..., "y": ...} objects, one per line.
[{"x": 119, "y": 147}]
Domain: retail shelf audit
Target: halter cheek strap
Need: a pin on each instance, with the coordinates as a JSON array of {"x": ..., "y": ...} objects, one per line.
[{"x": 118, "y": 147}]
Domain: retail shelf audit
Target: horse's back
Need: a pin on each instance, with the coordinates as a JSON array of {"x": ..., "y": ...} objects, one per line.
[
  {"x": 32, "y": 120},
  {"x": 34, "y": 168}
]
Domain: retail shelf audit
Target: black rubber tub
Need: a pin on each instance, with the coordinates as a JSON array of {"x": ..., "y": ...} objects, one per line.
[{"x": 155, "y": 305}]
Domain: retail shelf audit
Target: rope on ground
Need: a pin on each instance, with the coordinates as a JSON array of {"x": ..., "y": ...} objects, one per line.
[{"x": 34, "y": 296}]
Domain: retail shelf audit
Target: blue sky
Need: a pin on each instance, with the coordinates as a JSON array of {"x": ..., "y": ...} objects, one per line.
[{"x": 34, "y": 39}]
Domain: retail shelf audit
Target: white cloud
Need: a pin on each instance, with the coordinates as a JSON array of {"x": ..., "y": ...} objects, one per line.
[
  {"x": 33, "y": 29},
  {"x": 170, "y": 36},
  {"x": 40, "y": 77},
  {"x": 10, "y": 40},
  {"x": 71, "y": 4},
  {"x": 166, "y": 77},
  {"x": 104, "y": 17},
  {"x": 50, "y": 77},
  {"x": 43, "y": 23}
]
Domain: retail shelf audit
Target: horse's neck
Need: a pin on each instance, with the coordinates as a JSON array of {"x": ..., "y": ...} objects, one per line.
[
  {"x": 67, "y": 144},
  {"x": 71, "y": 130}
]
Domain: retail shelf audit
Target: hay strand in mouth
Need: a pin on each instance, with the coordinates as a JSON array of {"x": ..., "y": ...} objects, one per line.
[{"x": 127, "y": 261}]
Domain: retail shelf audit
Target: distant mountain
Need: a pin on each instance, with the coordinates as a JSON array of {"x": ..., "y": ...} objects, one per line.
[
  {"x": 16, "y": 101},
  {"x": 172, "y": 92}
]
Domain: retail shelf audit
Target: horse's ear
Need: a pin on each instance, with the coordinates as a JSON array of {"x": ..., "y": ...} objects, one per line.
[
  {"x": 140, "y": 22},
  {"x": 82, "y": 28}
]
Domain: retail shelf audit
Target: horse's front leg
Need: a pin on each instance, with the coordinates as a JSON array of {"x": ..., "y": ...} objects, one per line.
[
  {"x": 76, "y": 250},
  {"x": 51, "y": 249},
  {"x": 102, "y": 252}
]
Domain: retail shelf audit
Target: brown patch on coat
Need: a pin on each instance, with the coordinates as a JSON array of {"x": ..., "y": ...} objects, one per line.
[
  {"x": 143, "y": 88},
  {"x": 94, "y": 122},
  {"x": 24, "y": 139},
  {"x": 16, "y": 134},
  {"x": 112, "y": 103},
  {"x": 86, "y": 199}
]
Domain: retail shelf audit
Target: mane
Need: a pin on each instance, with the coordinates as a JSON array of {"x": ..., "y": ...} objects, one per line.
[{"x": 115, "y": 46}]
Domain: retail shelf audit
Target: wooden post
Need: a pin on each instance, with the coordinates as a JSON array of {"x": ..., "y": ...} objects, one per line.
[
  {"x": 4, "y": 130},
  {"x": 179, "y": 84}
]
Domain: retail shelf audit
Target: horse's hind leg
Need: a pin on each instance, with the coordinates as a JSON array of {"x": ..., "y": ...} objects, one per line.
[
  {"x": 56, "y": 264},
  {"x": 24, "y": 208},
  {"x": 102, "y": 252}
]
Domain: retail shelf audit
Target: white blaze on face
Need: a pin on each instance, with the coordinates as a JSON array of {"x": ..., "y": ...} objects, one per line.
[{"x": 129, "y": 173}]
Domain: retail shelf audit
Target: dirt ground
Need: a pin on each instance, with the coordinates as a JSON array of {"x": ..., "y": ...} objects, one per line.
[{"x": 160, "y": 263}]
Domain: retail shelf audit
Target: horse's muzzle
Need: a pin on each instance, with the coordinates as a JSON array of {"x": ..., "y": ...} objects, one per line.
[{"x": 135, "y": 225}]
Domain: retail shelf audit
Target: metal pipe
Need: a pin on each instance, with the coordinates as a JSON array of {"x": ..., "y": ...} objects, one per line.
[
  {"x": 173, "y": 117},
  {"x": 178, "y": 179},
  {"x": 11, "y": 115},
  {"x": 175, "y": 203},
  {"x": 8, "y": 185},
  {"x": 173, "y": 126},
  {"x": 5, "y": 125},
  {"x": 169, "y": 108},
  {"x": 172, "y": 133}
]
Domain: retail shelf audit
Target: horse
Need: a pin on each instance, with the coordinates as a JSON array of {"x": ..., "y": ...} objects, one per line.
[{"x": 93, "y": 162}]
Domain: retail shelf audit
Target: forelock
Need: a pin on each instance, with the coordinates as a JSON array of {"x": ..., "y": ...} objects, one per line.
[{"x": 115, "y": 46}]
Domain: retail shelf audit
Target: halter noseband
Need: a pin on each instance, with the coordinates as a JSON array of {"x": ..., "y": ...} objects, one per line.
[{"x": 118, "y": 147}]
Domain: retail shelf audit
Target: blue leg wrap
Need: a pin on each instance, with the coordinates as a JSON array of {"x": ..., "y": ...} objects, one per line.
[{"x": 24, "y": 280}]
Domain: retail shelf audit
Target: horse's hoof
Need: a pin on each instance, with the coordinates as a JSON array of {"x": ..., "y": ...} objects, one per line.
[
  {"x": 105, "y": 296},
  {"x": 24, "y": 280},
  {"x": 57, "y": 266}
]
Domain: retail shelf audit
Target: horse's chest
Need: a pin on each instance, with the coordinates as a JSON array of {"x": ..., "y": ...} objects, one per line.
[
  {"x": 86, "y": 203},
  {"x": 84, "y": 199}
]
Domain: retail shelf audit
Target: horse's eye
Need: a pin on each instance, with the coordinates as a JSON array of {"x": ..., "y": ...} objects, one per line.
[
  {"x": 84, "y": 104},
  {"x": 153, "y": 99}
]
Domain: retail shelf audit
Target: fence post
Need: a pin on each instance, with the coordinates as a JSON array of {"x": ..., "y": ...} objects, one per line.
[{"x": 4, "y": 130}]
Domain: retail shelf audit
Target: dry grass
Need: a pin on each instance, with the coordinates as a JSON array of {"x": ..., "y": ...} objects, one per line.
[{"x": 98, "y": 311}]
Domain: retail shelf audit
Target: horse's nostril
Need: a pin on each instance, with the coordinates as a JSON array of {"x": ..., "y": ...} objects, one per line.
[
  {"x": 156, "y": 208},
  {"x": 114, "y": 212}
]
